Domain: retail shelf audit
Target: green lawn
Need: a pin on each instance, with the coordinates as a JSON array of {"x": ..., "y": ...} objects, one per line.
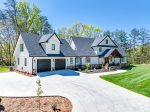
[
  {"x": 136, "y": 79},
  {"x": 3, "y": 69}
]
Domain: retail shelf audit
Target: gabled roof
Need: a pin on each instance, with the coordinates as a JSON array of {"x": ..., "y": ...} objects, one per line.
[
  {"x": 98, "y": 40},
  {"x": 35, "y": 49},
  {"x": 45, "y": 38},
  {"x": 32, "y": 43},
  {"x": 83, "y": 46}
]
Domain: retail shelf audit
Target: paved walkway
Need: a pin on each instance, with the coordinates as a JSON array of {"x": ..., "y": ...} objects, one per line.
[{"x": 87, "y": 92}]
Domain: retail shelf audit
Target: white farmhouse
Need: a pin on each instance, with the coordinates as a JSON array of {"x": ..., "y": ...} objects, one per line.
[{"x": 34, "y": 53}]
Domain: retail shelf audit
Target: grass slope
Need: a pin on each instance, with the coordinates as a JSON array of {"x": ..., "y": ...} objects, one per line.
[
  {"x": 137, "y": 79},
  {"x": 3, "y": 69}
]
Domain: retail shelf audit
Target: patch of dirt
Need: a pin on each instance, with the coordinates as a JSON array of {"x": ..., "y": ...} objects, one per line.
[{"x": 31, "y": 104}]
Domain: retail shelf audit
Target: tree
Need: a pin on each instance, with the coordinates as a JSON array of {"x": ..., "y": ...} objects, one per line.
[
  {"x": 144, "y": 38},
  {"x": 79, "y": 30},
  {"x": 16, "y": 18},
  {"x": 108, "y": 33},
  {"x": 121, "y": 37},
  {"x": 46, "y": 27},
  {"x": 134, "y": 35},
  {"x": 28, "y": 18}
]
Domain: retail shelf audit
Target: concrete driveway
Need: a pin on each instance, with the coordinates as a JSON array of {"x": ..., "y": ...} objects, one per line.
[{"x": 87, "y": 92}]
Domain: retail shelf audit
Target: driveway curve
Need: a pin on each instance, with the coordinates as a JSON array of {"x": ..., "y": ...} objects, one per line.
[{"x": 88, "y": 93}]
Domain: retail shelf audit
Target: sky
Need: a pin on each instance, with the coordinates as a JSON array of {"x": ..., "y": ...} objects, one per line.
[{"x": 106, "y": 14}]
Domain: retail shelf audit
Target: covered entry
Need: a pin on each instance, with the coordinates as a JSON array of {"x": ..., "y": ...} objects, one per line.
[
  {"x": 43, "y": 65},
  {"x": 60, "y": 64}
]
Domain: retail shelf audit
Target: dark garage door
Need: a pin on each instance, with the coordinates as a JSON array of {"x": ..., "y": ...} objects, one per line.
[
  {"x": 60, "y": 64},
  {"x": 43, "y": 65}
]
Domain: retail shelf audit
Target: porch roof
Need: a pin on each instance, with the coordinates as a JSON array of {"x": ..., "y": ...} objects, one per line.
[{"x": 113, "y": 52}]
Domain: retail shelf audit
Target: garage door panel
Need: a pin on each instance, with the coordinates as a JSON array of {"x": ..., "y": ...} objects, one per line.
[
  {"x": 43, "y": 65},
  {"x": 60, "y": 64}
]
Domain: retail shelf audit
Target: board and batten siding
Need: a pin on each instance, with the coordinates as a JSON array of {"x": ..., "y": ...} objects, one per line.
[
  {"x": 47, "y": 46},
  {"x": 94, "y": 60},
  {"x": 22, "y": 55}
]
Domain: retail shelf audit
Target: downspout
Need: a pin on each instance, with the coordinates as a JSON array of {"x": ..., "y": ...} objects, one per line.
[{"x": 32, "y": 65}]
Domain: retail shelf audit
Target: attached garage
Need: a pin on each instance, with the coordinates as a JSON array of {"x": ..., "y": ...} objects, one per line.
[
  {"x": 60, "y": 64},
  {"x": 43, "y": 65}
]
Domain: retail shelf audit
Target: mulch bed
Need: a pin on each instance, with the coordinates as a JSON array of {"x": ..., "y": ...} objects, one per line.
[
  {"x": 96, "y": 71},
  {"x": 30, "y": 104}
]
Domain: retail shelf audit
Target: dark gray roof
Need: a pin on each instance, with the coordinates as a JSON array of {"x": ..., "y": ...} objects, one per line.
[
  {"x": 35, "y": 49},
  {"x": 83, "y": 46},
  {"x": 66, "y": 49},
  {"x": 32, "y": 43},
  {"x": 45, "y": 38}
]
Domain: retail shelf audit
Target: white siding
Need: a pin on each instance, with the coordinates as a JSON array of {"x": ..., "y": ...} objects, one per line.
[
  {"x": 48, "y": 46},
  {"x": 22, "y": 56},
  {"x": 94, "y": 60},
  {"x": 110, "y": 42}
]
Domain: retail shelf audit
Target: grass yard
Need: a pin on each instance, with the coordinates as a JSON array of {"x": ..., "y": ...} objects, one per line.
[
  {"x": 3, "y": 69},
  {"x": 137, "y": 79}
]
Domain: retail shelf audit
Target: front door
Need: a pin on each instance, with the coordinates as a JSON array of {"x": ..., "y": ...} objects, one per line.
[{"x": 106, "y": 60}]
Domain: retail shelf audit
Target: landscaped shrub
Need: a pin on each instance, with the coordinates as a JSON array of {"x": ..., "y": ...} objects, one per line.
[{"x": 87, "y": 67}]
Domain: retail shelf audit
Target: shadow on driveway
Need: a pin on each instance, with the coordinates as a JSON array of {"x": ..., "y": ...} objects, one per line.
[{"x": 59, "y": 72}]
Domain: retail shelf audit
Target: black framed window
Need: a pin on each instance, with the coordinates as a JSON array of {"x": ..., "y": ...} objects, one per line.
[
  {"x": 106, "y": 41},
  {"x": 18, "y": 60},
  {"x": 21, "y": 47},
  {"x": 123, "y": 59},
  {"x": 25, "y": 61},
  {"x": 100, "y": 49},
  {"x": 71, "y": 60},
  {"x": 53, "y": 46},
  {"x": 88, "y": 60}
]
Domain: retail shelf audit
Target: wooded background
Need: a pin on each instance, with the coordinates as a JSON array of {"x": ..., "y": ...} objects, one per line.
[{"x": 21, "y": 16}]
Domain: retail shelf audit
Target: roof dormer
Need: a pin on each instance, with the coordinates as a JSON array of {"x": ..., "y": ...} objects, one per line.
[{"x": 50, "y": 43}]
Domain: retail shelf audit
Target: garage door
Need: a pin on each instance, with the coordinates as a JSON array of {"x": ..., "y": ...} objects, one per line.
[
  {"x": 60, "y": 64},
  {"x": 43, "y": 65}
]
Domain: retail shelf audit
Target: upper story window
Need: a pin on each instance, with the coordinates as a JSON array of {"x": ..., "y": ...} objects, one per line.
[
  {"x": 71, "y": 60},
  {"x": 53, "y": 46},
  {"x": 106, "y": 41},
  {"x": 100, "y": 49},
  {"x": 21, "y": 47},
  {"x": 88, "y": 60}
]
